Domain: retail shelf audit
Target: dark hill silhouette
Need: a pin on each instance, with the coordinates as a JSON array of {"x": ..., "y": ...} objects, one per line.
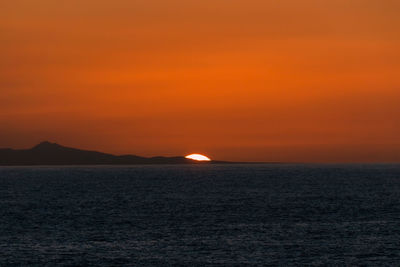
[{"x": 47, "y": 153}]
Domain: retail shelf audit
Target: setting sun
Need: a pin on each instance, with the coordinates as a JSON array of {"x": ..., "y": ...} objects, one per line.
[{"x": 198, "y": 157}]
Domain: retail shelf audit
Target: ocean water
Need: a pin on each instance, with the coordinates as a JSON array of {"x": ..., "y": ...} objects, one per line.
[{"x": 200, "y": 215}]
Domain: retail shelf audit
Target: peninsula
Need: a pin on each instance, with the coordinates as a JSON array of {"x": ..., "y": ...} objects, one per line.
[{"x": 47, "y": 153}]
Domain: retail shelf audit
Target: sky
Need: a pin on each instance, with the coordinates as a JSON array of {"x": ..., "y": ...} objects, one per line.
[{"x": 245, "y": 80}]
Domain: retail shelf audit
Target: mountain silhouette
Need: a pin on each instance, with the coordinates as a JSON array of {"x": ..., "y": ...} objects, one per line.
[{"x": 47, "y": 153}]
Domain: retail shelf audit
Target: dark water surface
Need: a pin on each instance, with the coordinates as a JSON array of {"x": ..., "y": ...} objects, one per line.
[{"x": 223, "y": 215}]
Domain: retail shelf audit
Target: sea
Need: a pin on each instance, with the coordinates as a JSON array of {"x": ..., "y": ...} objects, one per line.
[{"x": 201, "y": 215}]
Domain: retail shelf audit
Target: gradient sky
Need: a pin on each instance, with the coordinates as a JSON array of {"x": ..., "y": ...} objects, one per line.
[{"x": 254, "y": 80}]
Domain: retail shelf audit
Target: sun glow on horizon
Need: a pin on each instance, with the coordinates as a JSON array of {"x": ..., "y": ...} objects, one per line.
[{"x": 198, "y": 157}]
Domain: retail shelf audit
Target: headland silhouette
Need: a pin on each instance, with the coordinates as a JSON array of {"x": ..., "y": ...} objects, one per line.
[{"x": 47, "y": 153}]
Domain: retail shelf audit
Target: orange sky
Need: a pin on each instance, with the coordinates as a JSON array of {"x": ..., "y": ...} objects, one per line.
[{"x": 254, "y": 80}]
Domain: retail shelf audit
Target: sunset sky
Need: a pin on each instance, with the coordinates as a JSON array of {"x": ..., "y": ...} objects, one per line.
[{"x": 249, "y": 80}]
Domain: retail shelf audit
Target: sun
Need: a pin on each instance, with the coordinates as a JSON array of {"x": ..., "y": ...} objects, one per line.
[{"x": 198, "y": 157}]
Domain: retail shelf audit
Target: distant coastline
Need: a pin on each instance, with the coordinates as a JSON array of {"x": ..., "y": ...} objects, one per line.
[{"x": 47, "y": 153}]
